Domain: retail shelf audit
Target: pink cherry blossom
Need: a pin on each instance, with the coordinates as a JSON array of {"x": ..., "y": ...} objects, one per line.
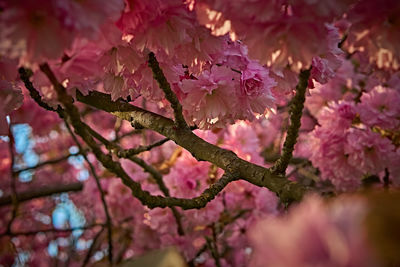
[
  {"x": 324, "y": 66},
  {"x": 380, "y": 107},
  {"x": 337, "y": 116},
  {"x": 368, "y": 151},
  {"x": 234, "y": 67},
  {"x": 242, "y": 139},
  {"x": 328, "y": 154},
  {"x": 211, "y": 99},
  {"x": 281, "y": 28},
  {"x": 255, "y": 88}
]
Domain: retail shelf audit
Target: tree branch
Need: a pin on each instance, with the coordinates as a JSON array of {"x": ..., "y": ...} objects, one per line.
[
  {"x": 92, "y": 247},
  {"x": 102, "y": 194},
  {"x": 225, "y": 159},
  {"x": 81, "y": 129},
  {"x": 42, "y": 192},
  {"x": 200, "y": 149},
  {"x": 147, "y": 168},
  {"x": 296, "y": 111}
]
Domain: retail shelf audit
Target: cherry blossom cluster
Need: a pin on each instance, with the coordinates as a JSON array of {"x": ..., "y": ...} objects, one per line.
[{"x": 235, "y": 71}]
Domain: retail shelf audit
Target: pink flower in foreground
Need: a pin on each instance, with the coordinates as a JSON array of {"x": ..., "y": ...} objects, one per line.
[
  {"x": 211, "y": 100},
  {"x": 222, "y": 95},
  {"x": 314, "y": 233},
  {"x": 255, "y": 88}
]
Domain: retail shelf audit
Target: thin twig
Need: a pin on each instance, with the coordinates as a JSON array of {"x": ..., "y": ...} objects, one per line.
[
  {"x": 159, "y": 76},
  {"x": 13, "y": 177},
  {"x": 95, "y": 239},
  {"x": 386, "y": 180},
  {"x": 25, "y": 75},
  {"x": 214, "y": 251},
  {"x": 146, "y": 167},
  {"x": 160, "y": 182},
  {"x": 92, "y": 247},
  {"x": 48, "y": 162},
  {"x": 102, "y": 194},
  {"x": 53, "y": 230},
  {"x": 218, "y": 229},
  {"x": 67, "y": 101},
  {"x": 134, "y": 151},
  {"x": 133, "y": 132}
]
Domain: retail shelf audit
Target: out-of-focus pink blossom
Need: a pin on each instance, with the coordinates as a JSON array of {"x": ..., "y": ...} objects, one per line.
[
  {"x": 375, "y": 31},
  {"x": 5, "y": 164},
  {"x": 44, "y": 29},
  {"x": 8, "y": 69},
  {"x": 273, "y": 123},
  {"x": 11, "y": 98},
  {"x": 35, "y": 26},
  {"x": 171, "y": 28},
  {"x": 188, "y": 178},
  {"x": 156, "y": 24},
  {"x": 314, "y": 233},
  {"x": 86, "y": 17},
  {"x": 275, "y": 30}
]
